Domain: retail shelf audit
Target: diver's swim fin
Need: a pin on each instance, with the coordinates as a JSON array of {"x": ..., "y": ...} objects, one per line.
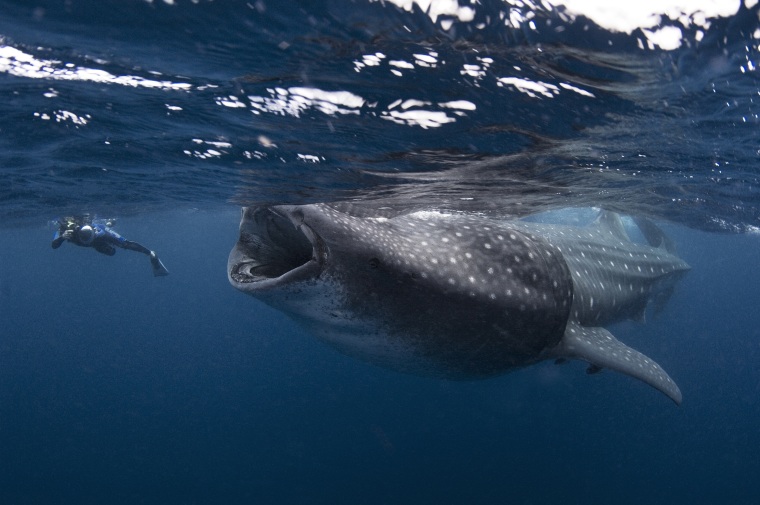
[{"x": 159, "y": 270}]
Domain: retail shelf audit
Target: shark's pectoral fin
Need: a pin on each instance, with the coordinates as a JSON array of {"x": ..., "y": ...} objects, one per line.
[{"x": 598, "y": 347}]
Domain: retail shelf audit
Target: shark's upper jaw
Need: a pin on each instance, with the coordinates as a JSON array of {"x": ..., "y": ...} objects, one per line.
[{"x": 273, "y": 249}]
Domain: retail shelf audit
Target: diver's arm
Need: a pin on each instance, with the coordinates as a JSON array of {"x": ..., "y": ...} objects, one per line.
[{"x": 59, "y": 238}]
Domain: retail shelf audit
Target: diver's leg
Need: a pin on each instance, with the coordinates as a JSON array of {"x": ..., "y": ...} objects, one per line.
[
  {"x": 159, "y": 270},
  {"x": 134, "y": 246}
]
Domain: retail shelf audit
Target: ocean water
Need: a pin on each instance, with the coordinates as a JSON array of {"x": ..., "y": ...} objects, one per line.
[{"x": 118, "y": 387}]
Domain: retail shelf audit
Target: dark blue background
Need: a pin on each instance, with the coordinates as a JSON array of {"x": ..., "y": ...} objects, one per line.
[
  {"x": 117, "y": 387},
  {"x": 120, "y": 388}
]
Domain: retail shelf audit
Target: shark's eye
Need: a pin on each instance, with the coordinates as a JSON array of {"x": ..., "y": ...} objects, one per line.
[{"x": 374, "y": 263}]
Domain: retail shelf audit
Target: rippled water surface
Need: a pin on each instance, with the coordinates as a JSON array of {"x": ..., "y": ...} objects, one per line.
[{"x": 123, "y": 106}]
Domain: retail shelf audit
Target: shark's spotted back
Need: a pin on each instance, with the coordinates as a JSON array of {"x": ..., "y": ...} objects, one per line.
[{"x": 452, "y": 295}]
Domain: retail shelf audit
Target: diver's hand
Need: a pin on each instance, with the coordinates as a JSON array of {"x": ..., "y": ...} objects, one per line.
[{"x": 68, "y": 234}]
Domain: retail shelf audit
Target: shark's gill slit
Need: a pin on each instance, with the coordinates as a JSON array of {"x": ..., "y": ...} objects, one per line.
[{"x": 273, "y": 246}]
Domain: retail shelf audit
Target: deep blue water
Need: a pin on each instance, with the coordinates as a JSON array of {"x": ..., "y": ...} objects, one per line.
[{"x": 117, "y": 387}]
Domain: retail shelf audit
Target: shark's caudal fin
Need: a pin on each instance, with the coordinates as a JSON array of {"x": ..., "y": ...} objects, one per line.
[{"x": 598, "y": 347}]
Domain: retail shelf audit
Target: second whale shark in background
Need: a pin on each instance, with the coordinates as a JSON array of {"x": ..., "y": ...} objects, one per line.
[{"x": 454, "y": 295}]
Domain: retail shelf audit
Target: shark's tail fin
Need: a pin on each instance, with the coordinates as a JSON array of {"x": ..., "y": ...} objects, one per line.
[{"x": 598, "y": 347}]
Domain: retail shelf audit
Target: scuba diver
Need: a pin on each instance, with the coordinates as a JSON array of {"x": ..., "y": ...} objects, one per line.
[{"x": 85, "y": 232}]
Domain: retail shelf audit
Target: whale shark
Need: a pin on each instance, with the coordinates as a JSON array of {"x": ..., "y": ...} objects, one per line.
[{"x": 458, "y": 295}]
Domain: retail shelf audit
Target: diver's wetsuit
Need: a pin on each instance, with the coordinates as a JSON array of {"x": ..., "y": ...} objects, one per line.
[{"x": 104, "y": 240}]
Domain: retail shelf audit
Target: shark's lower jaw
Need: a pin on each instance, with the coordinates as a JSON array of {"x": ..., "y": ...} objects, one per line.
[
  {"x": 272, "y": 250},
  {"x": 250, "y": 272}
]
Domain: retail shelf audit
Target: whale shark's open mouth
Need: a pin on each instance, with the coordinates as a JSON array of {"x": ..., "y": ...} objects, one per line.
[{"x": 272, "y": 249}]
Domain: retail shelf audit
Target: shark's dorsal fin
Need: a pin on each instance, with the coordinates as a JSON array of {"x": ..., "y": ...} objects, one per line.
[
  {"x": 611, "y": 223},
  {"x": 597, "y": 346},
  {"x": 654, "y": 235}
]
